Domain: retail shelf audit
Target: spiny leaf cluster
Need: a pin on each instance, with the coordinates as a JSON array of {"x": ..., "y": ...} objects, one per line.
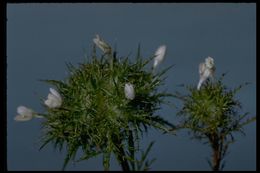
[
  {"x": 212, "y": 108},
  {"x": 95, "y": 115},
  {"x": 213, "y": 114}
]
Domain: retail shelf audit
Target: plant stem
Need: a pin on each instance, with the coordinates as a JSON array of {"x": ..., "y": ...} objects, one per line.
[
  {"x": 106, "y": 161},
  {"x": 131, "y": 149},
  {"x": 106, "y": 169},
  {"x": 120, "y": 154},
  {"x": 216, "y": 157},
  {"x": 111, "y": 59},
  {"x": 122, "y": 160}
]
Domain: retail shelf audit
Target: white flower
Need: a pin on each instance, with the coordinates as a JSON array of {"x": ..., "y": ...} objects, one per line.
[
  {"x": 102, "y": 44},
  {"x": 54, "y": 99},
  {"x": 159, "y": 55},
  {"x": 129, "y": 91},
  {"x": 209, "y": 62},
  {"x": 25, "y": 114},
  {"x": 206, "y": 70}
]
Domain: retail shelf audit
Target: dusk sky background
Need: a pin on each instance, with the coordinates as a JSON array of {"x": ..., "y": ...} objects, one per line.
[{"x": 41, "y": 37}]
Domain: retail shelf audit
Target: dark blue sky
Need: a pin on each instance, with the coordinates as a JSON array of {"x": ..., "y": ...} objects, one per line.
[{"x": 42, "y": 37}]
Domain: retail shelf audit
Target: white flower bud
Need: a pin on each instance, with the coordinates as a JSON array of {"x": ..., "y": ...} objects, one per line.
[
  {"x": 206, "y": 70},
  {"x": 24, "y": 114},
  {"x": 159, "y": 55},
  {"x": 54, "y": 99},
  {"x": 102, "y": 44},
  {"x": 129, "y": 91},
  {"x": 209, "y": 62}
]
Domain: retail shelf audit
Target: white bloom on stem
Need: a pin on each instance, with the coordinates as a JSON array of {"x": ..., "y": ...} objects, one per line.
[
  {"x": 206, "y": 70},
  {"x": 159, "y": 55},
  {"x": 102, "y": 44},
  {"x": 25, "y": 114},
  {"x": 54, "y": 99},
  {"x": 129, "y": 91}
]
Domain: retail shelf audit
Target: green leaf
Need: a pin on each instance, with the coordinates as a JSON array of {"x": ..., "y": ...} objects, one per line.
[{"x": 144, "y": 157}]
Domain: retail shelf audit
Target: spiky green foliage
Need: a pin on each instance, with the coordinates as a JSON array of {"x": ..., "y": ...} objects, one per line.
[
  {"x": 95, "y": 115},
  {"x": 213, "y": 114}
]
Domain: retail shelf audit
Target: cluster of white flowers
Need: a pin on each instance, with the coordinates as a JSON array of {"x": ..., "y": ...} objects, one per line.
[
  {"x": 54, "y": 100},
  {"x": 129, "y": 88},
  {"x": 159, "y": 56}
]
